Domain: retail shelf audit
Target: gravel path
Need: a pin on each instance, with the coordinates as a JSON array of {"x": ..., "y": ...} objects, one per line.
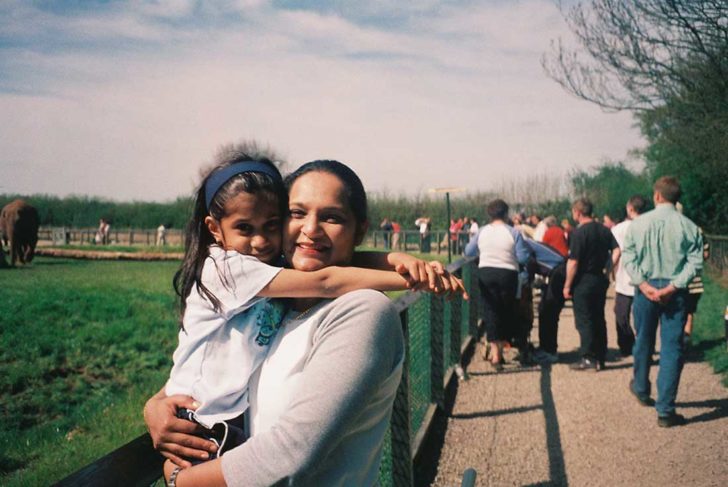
[{"x": 534, "y": 426}]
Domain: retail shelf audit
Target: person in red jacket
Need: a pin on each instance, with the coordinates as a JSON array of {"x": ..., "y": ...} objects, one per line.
[{"x": 555, "y": 237}]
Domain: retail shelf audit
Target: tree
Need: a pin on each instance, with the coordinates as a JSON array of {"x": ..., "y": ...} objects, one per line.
[
  {"x": 637, "y": 54},
  {"x": 667, "y": 62},
  {"x": 609, "y": 186}
]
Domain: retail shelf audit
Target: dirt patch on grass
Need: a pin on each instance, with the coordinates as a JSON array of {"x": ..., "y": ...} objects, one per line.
[{"x": 107, "y": 255}]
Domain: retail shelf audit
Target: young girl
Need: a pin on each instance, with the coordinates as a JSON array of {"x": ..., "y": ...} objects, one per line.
[{"x": 231, "y": 265}]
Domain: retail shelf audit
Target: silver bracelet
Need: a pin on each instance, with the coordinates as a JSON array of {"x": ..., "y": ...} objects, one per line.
[{"x": 173, "y": 477}]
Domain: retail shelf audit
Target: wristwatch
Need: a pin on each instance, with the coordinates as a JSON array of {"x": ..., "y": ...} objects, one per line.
[{"x": 173, "y": 477}]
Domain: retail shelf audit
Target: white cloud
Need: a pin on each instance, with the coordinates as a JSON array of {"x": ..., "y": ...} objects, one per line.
[{"x": 453, "y": 99}]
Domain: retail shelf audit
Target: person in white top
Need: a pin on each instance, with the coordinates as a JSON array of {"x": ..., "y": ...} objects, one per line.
[
  {"x": 473, "y": 230},
  {"x": 327, "y": 232},
  {"x": 501, "y": 249},
  {"x": 540, "y": 230},
  {"x": 622, "y": 285},
  {"x": 423, "y": 223},
  {"x": 161, "y": 235}
]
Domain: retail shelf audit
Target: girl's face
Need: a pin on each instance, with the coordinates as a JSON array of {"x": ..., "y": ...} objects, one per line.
[
  {"x": 321, "y": 230},
  {"x": 251, "y": 226}
]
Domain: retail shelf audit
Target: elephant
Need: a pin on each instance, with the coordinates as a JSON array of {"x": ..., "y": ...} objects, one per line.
[{"x": 19, "y": 223}]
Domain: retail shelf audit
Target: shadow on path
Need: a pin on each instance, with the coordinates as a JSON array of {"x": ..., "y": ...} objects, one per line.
[
  {"x": 557, "y": 469},
  {"x": 720, "y": 409},
  {"x": 490, "y": 414},
  {"x": 426, "y": 467}
]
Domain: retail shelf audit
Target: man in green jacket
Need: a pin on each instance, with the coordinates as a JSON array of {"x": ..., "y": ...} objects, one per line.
[{"x": 663, "y": 251}]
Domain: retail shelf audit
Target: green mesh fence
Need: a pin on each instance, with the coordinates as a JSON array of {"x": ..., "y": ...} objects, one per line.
[
  {"x": 435, "y": 330},
  {"x": 420, "y": 357}
]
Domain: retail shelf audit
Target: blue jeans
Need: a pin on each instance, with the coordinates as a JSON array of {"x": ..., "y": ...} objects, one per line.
[{"x": 671, "y": 317}]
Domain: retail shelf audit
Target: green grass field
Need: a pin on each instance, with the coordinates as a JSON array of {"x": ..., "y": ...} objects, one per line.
[
  {"x": 83, "y": 345},
  {"x": 709, "y": 339}
]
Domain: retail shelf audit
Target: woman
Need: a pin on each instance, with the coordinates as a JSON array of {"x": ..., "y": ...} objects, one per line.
[
  {"x": 501, "y": 249},
  {"x": 321, "y": 401}
]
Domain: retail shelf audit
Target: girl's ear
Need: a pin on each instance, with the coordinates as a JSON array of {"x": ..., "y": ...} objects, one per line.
[
  {"x": 361, "y": 231},
  {"x": 214, "y": 227}
]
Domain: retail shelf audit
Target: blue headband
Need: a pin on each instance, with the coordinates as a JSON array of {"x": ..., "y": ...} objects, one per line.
[{"x": 219, "y": 178}]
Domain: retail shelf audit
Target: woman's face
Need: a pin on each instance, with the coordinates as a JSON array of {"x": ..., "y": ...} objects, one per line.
[{"x": 321, "y": 230}]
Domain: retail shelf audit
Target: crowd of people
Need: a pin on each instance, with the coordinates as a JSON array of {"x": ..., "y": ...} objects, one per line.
[{"x": 655, "y": 258}]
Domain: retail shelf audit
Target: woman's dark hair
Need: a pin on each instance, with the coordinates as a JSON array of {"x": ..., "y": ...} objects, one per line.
[
  {"x": 353, "y": 188},
  {"x": 197, "y": 236},
  {"x": 497, "y": 210}
]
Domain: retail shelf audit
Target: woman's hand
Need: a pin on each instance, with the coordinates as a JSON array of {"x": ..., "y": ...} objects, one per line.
[{"x": 174, "y": 437}]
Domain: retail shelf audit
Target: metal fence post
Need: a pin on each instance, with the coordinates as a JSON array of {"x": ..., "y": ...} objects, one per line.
[
  {"x": 402, "y": 475},
  {"x": 437, "y": 367}
]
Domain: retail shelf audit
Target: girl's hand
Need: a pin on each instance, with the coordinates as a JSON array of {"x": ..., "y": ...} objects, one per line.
[
  {"x": 411, "y": 268},
  {"x": 431, "y": 277},
  {"x": 449, "y": 285},
  {"x": 420, "y": 275},
  {"x": 174, "y": 437}
]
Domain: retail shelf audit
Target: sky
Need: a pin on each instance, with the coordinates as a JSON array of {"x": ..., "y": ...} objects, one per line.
[{"x": 128, "y": 100}]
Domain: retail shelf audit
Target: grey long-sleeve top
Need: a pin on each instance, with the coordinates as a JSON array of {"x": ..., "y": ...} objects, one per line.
[{"x": 322, "y": 400}]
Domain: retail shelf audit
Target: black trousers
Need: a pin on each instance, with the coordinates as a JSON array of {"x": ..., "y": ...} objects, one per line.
[
  {"x": 498, "y": 289},
  {"x": 549, "y": 309},
  {"x": 225, "y": 434},
  {"x": 622, "y": 312},
  {"x": 590, "y": 296},
  {"x": 425, "y": 245}
]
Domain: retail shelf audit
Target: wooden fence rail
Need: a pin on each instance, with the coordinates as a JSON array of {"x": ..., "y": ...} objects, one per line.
[
  {"x": 718, "y": 259},
  {"x": 405, "y": 240},
  {"x": 437, "y": 334}
]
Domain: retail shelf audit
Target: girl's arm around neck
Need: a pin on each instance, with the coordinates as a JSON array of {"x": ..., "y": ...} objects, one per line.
[{"x": 331, "y": 282}]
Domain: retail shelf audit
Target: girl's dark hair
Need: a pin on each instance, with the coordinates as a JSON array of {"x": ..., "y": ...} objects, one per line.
[
  {"x": 197, "y": 236},
  {"x": 497, "y": 210},
  {"x": 353, "y": 188}
]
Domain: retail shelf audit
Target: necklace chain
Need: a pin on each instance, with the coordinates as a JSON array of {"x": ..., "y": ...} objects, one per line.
[{"x": 305, "y": 312}]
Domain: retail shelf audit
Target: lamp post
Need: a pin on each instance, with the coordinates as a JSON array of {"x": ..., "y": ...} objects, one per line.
[{"x": 447, "y": 192}]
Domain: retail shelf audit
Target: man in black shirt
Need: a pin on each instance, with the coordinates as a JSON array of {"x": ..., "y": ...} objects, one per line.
[{"x": 586, "y": 283}]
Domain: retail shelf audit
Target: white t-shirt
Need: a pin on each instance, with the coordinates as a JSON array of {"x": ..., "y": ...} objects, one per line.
[
  {"x": 211, "y": 345},
  {"x": 497, "y": 244},
  {"x": 473, "y": 230},
  {"x": 423, "y": 224},
  {"x": 622, "y": 282},
  {"x": 540, "y": 231}
]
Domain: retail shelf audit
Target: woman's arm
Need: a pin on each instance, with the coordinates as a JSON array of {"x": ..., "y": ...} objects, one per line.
[{"x": 208, "y": 474}]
